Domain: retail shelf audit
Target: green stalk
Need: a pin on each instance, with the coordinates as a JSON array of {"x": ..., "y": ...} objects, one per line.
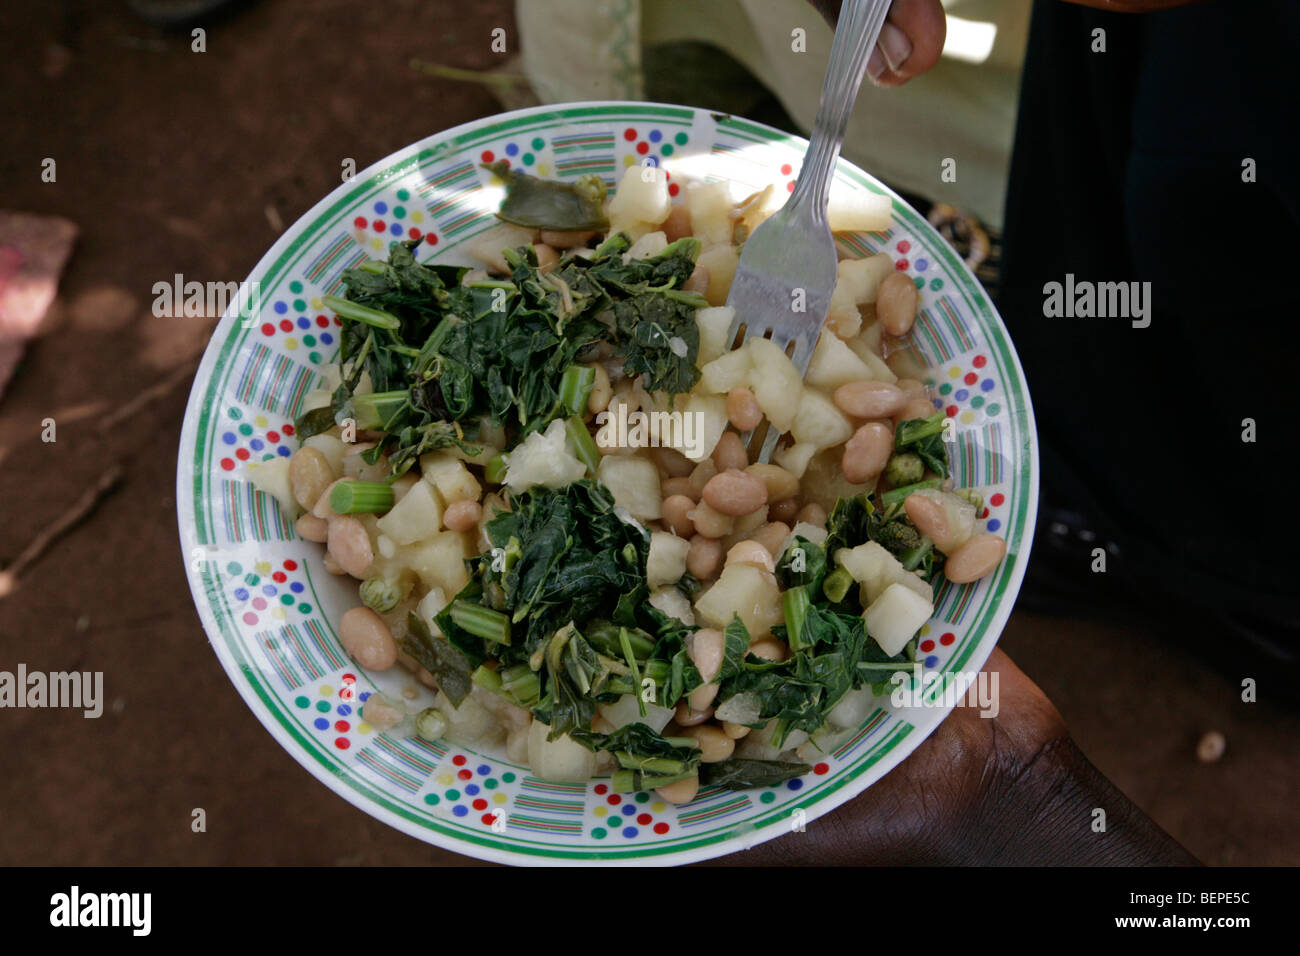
[
  {"x": 623, "y": 781},
  {"x": 481, "y": 621},
  {"x": 896, "y": 496},
  {"x": 361, "y": 497},
  {"x": 429, "y": 350},
  {"x": 362, "y": 313},
  {"x": 657, "y": 671},
  {"x": 909, "y": 432},
  {"x": 779, "y": 734},
  {"x": 495, "y": 470},
  {"x": 575, "y": 388},
  {"x": 375, "y": 267},
  {"x": 795, "y": 604},
  {"x": 660, "y": 765},
  {"x": 836, "y": 585},
  {"x": 911, "y": 558},
  {"x": 487, "y": 678},
  {"x": 521, "y": 683},
  {"x": 626, "y": 643},
  {"x": 378, "y": 409},
  {"x": 653, "y": 783},
  {"x": 584, "y": 446}
]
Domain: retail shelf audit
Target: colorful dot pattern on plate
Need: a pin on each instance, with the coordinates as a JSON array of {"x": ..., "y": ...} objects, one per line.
[
  {"x": 296, "y": 319},
  {"x": 268, "y": 604}
]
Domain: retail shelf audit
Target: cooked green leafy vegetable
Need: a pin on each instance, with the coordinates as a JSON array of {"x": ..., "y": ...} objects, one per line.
[
  {"x": 737, "y": 773},
  {"x": 448, "y": 665},
  {"x": 445, "y": 355},
  {"x": 560, "y": 557},
  {"x": 646, "y": 759},
  {"x": 578, "y": 206},
  {"x": 923, "y": 437},
  {"x": 855, "y": 520}
]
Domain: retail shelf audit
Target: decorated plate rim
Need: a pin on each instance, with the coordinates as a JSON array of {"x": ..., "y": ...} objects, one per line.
[{"x": 763, "y": 824}]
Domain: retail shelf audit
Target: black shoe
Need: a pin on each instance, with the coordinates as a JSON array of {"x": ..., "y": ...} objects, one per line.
[{"x": 1067, "y": 576}]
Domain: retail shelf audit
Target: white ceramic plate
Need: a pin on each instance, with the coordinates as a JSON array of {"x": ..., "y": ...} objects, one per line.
[{"x": 268, "y": 605}]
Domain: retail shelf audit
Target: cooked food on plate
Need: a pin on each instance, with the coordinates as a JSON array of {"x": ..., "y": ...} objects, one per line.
[{"x": 537, "y": 470}]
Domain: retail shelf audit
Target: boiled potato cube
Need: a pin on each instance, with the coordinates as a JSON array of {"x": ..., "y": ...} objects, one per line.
[
  {"x": 853, "y": 708},
  {"x": 818, "y": 422},
  {"x": 742, "y": 589},
  {"x": 562, "y": 759},
  {"x": 843, "y": 316},
  {"x": 331, "y": 448},
  {"x": 720, "y": 261},
  {"x": 450, "y": 476},
  {"x": 642, "y": 195},
  {"x": 866, "y": 562},
  {"x": 795, "y": 458},
  {"x": 875, "y": 569},
  {"x": 673, "y": 603},
  {"x": 439, "y": 561},
  {"x": 402, "y": 486},
  {"x": 469, "y": 724},
  {"x": 627, "y": 709},
  {"x": 692, "y": 426},
  {"x": 714, "y": 322},
  {"x": 272, "y": 477},
  {"x": 758, "y": 745},
  {"x": 834, "y": 363},
  {"x": 857, "y": 210},
  {"x": 708, "y": 417},
  {"x": 416, "y": 517},
  {"x": 710, "y": 205},
  {"x": 647, "y": 247},
  {"x": 666, "y": 562},
  {"x": 864, "y": 348},
  {"x": 861, "y": 278},
  {"x": 634, "y": 483},
  {"x": 777, "y": 384},
  {"x": 543, "y": 458},
  {"x": 802, "y": 529},
  {"x": 869, "y": 338},
  {"x": 759, "y": 207},
  {"x": 635, "y": 228},
  {"x": 487, "y": 246},
  {"x": 895, "y": 616},
  {"x": 744, "y": 526},
  {"x": 727, "y": 371}
]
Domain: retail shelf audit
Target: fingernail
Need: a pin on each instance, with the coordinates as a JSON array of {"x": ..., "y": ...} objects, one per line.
[
  {"x": 875, "y": 65},
  {"x": 894, "y": 45}
]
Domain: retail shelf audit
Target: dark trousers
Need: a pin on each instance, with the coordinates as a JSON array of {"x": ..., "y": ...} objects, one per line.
[{"x": 1128, "y": 167}]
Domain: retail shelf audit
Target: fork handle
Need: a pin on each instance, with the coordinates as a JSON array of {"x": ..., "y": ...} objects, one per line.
[{"x": 855, "y": 37}]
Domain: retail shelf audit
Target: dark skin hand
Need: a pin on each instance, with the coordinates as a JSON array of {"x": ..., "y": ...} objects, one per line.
[
  {"x": 1008, "y": 790},
  {"x": 911, "y": 40}
]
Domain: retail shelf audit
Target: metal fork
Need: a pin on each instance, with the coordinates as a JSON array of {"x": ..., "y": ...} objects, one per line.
[{"x": 783, "y": 284}]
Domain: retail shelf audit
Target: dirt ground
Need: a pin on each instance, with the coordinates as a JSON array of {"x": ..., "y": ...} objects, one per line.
[{"x": 172, "y": 161}]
